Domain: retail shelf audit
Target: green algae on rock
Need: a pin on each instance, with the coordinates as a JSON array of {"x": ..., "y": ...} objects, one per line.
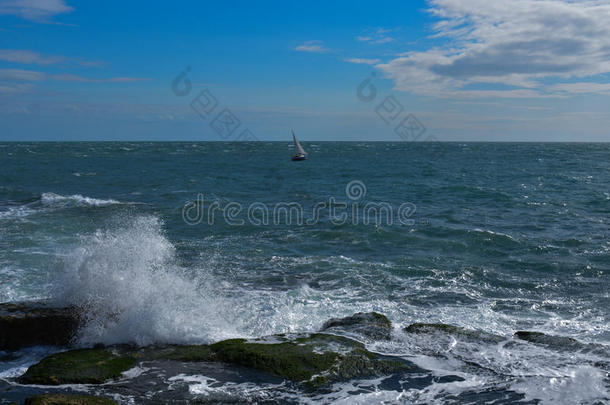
[
  {"x": 370, "y": 324},
  {"x": 290, "y": 360},
  {"x": 66, "y": 399},
  {"x": 453, "y": 330},
  {"x": 315, "y": 360},
  {"x": 82, "y": 366}
]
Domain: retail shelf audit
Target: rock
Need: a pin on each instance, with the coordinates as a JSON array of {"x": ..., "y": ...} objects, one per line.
[
  {"x": 315, "y": 360},
  {"x": 444, "y": 328},
  {"x": 65, "y": 399},
  {"x": 548, "y": 340},
  {"x": 564, "y": 343},
  {"x": 36, "y": 323},
  {"x": 82, "y": 366},
  {"x": 370, "y": 324}
]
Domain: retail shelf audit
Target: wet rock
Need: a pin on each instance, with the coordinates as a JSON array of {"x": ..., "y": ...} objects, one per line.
[
  {"x": 36, "y": 323},
  {"x": 564, "y": 343},
  {"x": 370, "y": 324},
  {"x": 422, "y": 328},
  {"x": 548, "y": 340},
  {"x": 65, "y": 399},
  {"x": 315, "y": 360},
  {"x": 82, "y": 366}
]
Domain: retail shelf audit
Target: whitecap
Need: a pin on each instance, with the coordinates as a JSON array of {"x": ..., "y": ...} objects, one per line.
[{"x": 54, "y": 200}]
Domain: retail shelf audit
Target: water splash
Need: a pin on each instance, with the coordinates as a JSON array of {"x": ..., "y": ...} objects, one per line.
[{"x": 129, "y": 283}]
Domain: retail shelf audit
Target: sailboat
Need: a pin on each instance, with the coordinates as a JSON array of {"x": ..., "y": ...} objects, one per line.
[{"x": 300, "y": 153}]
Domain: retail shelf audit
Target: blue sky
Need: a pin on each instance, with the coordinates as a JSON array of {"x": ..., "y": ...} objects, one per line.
[{"x": 465, "y": 70}]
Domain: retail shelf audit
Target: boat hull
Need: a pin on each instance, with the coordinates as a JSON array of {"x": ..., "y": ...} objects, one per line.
[{"x": 297, "y": 158}]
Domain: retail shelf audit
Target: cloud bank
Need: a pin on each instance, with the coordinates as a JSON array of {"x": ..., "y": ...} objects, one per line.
[{"x": 510, "y": 48}]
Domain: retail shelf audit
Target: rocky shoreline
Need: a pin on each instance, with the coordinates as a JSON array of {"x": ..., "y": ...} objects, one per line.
[{"x": 311, "y": 362}]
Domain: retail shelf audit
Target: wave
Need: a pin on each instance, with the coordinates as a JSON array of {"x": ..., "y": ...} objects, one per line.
[
  {"x": 494, "y": 234},
  {"x": 51, "y": 201},
  {"x": 16, "y": 212},
  {"x": 54, "y": 200},
  {"x": 128, "y": 282},
  {"x": 132, "y": 288}
]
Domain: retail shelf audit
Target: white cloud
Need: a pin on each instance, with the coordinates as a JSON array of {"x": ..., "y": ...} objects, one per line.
[
  {"x": 312, "y": 46},
  {"x": 377, "y": 36},
  {"x": 20, "y": 75},
  {"x": 24, "y": 56},
  {"x": 67, "y": 77},
  {"x": 516, "y": 43},
  {"x": 581, "y": 88},
  {"x": 13, "y": 88},
  {"x": 34, "y": 10},
  {"x": 363, "y": 61},
  {"x": 28, "y": 57}
]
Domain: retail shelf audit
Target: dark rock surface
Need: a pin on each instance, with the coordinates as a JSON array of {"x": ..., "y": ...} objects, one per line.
[
  {"x": 443, "y": 328},
  {"x": 370, "y": 324},
  {"x": 548, "y": 340},
  {"x": 36, "y": 323},
  {"x": 67, "y": 399}
]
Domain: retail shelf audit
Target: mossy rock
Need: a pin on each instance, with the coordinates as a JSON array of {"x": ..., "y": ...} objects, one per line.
[
  {"x": 422, "y": 328},
  {"x": 290, "y": 360},
  {"x": 65, "y": 399},
  {"x": 368, "y": 324},
  {"x": 24, "y": 324},
  {"x": 316, "y": 360},
  {"x": 83, "y": 366}
]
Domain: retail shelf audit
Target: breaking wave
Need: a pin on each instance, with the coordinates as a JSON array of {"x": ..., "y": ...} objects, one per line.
[
  {"x": 50, "y": 202},
  {"x": 131, "y": 288},
  {"x": 52, "y": 199}
]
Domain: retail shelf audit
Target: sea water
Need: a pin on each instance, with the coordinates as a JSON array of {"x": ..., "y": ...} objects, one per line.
[{"x": 199, "y": 242}]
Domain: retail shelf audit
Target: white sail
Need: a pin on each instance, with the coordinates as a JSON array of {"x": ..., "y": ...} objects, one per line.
[{"x": 297, "y": 146}]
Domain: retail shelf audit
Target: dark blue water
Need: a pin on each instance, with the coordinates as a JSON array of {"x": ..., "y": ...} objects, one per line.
[{"x": 496, "y": 237}]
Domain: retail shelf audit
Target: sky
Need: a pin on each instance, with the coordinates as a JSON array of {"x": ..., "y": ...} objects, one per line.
[{"x": 447, "y": 70}]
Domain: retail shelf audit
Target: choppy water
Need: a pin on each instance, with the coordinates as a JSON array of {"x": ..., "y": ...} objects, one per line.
[{"x": 504, "y": 237}]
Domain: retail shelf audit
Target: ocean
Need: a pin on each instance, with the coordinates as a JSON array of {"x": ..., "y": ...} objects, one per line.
[{"x": 195, "y": 242}]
